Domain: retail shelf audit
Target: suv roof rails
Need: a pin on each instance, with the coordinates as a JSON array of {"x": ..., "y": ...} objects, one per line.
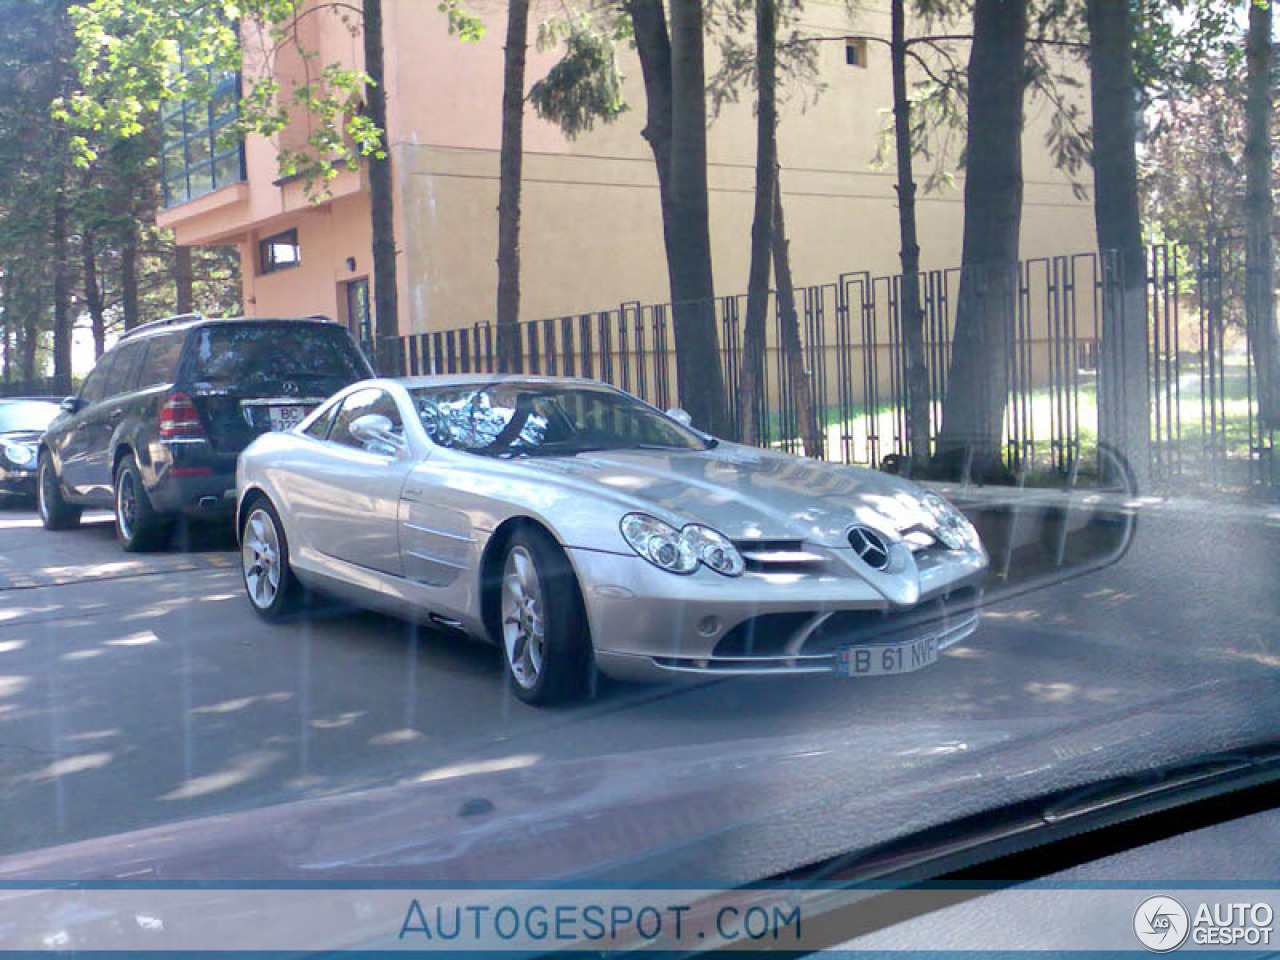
[{"x": 166, "y": 321}]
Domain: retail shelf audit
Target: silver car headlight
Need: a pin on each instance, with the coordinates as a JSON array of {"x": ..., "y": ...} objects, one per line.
[
  {"x": 19, "y": 454},
  {"x": 952, "y": 527},
  {"x": 681, "y": 551},
  {"x": 714, "y": 549}
]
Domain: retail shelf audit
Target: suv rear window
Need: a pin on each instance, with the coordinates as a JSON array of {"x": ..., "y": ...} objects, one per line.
[{"x": 317, "y": 359}]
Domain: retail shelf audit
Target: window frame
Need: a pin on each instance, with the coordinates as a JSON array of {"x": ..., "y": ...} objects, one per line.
[
  {"x": 165, "y": 341},
  {"x": 124, "y": 351},
  {"x": 101, "y": 370},
  {"x": 265, "y": 264},
  {"x": 201, "y": 125},
  {"x": 360, "y": 448}
]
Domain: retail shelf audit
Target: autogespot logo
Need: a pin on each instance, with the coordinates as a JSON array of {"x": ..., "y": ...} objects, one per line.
[{"x": 1161, "y": 924}]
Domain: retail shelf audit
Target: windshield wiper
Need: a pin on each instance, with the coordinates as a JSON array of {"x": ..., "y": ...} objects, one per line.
[{"x": 983, "y": 837}]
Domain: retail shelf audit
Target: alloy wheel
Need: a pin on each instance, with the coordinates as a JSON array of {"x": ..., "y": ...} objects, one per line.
[
  {"x": 523, "y": 628},
  {"x": 127, "y": 503},
  {"x": 260, "y": 557}
]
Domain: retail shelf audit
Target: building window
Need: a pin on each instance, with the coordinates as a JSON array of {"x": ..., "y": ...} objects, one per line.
[
  {"x": 200, "y": 149},
  {"x": 279, "y": 252},
  {"x": 855, "y": 52}
]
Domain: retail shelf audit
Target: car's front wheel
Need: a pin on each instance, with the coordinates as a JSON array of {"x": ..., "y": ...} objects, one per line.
[
  {"x": 542, "y": 627},
  {"x": 55, "y": 512},
  {"x": 139, "y": 525},
  {"x": 269, "y": 582}
]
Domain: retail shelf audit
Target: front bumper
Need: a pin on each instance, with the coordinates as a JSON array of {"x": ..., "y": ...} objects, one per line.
[
  {"x": 647, "y": 624},
  {"x": 18, "y": 480}
]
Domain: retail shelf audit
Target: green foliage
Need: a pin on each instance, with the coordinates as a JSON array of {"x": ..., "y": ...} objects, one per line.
[
  {"x": 135, "y": 55},
  {"x": 584, "y": 85},
  {"x": 465, "y": 26},
  {"x": 732, "y": 22}
]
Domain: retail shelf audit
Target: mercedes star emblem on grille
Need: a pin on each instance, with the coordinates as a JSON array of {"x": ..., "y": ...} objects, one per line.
[
  {"x": 870, "y": 547},
  {"x": 289, "y": 387}
]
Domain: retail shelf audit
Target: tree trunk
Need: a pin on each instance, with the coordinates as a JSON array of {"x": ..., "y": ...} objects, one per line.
[
  {"x": 978, "y": 383},
  {"x": 381, "y": 197},
  {"x": 184, "y": 278},
  {"x": 1259, "y": 212},
  {"x": 511, "y": 162},
  {"x": 693, "y": 291},
  {"x": 792, "y": 347},
  {"x": 129, "y": 274},
  {"x": 62, "y": 332},
  {"x": 8, "y": 331},
  {"x": 93, "y": 300},
  {"x": 751, "y": 375},
  {"x": 919, "y": 428},
  {"x": 1123, "y": 403},
  {"x": 29, "y": 329}
]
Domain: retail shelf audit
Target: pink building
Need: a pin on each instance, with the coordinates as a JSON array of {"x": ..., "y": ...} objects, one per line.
[{"x": 591, "y": 222}]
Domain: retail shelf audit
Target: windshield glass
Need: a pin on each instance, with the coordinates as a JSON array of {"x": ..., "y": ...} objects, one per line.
[
  {"x": 316, "y": 358},
  {"x": 509, "y": 419},
  {"x": 26, "y": 415}
]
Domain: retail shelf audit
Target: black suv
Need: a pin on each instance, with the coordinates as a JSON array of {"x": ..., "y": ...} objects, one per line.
[{"x": 158, "y": 424}]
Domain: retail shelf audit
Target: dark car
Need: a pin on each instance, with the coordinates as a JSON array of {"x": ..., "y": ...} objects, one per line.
[
  {"x": 157, "y": 425},
  {"x": 22, "y": 420}
]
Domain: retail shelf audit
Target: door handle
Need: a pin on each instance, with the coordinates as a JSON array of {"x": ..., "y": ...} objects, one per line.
[{"x": 115, "y": 415}]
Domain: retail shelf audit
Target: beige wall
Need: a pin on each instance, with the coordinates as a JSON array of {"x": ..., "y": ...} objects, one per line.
[
  {"x": 591, "y": 229},
  {"x": 591, "y": 221}
]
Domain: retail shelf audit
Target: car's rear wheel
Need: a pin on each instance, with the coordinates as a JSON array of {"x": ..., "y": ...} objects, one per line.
[
  {"x": 269, "y": 582},
  {"x": 55, "y": 512},
  {"x": 139, "y": 525},
  {"x": 542, "y": 624}
]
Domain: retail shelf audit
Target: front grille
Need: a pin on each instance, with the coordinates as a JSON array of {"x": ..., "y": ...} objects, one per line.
[
  {"x": 779, "y": 556},
  {"x": 939, "y": 615},
  {"x": 764, "y": 636}
]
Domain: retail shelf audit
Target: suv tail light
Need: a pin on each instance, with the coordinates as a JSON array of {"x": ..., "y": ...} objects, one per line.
[{"x": 178, "y": 417}]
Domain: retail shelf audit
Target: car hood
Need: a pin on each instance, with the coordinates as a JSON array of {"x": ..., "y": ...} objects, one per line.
[
  {"x": 745, "y": 493},
  {"x": 26, "y": 437}
]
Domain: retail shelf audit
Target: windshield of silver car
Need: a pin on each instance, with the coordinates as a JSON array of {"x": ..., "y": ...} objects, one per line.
[{"x": 532, "y": 419}]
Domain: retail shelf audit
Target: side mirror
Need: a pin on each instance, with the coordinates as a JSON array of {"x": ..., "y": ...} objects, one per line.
[
  {"x": 680, "y": 416},
  {"x": 70, "y": 405},
  {"x": 377, "y": 433}
]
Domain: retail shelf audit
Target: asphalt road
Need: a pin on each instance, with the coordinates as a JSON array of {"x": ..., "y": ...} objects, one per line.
[{"x": 141, "y": 690}]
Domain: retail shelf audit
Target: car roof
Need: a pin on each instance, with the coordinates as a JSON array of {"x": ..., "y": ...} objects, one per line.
[{"x": 188, "y": 321}]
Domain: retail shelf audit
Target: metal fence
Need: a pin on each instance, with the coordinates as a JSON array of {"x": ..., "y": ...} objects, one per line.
[{"x": 1202, "y": 383}]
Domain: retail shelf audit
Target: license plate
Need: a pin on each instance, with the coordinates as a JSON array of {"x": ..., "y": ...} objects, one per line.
[
  {"x": 286, "y": 418},
  {"x": 882, "y": 659}
]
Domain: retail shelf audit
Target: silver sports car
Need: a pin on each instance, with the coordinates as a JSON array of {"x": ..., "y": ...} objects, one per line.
[{"x": 579, "y": 529}]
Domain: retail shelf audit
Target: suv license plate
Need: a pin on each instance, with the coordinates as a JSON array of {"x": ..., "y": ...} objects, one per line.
[
  {"x": 881, "y": 659},
  {"x": 286, "y": 418}
]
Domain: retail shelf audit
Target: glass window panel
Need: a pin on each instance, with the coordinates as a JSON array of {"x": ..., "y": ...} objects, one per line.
[
  {"x": 226, "y": 170},
  {"x": 198, "y": 149},
  {"x": 201, "y": 179}
]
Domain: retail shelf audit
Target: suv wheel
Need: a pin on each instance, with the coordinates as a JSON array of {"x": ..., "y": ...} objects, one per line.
[
  {"x": 138, "y": 525},
  {"x": 55, "y": 512}
]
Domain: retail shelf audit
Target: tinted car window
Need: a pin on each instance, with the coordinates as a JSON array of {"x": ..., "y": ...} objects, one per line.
[
  {"x": 315, "y": 359},
  {"x": 359, "y": 404},
  {"x": 161, "y": 362},
  {"x": 124, "y": 371},
  {"x": 95, "y": 385},
  {"x": 319, "y": 429},
  {"x": 26, "y": 415}
]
